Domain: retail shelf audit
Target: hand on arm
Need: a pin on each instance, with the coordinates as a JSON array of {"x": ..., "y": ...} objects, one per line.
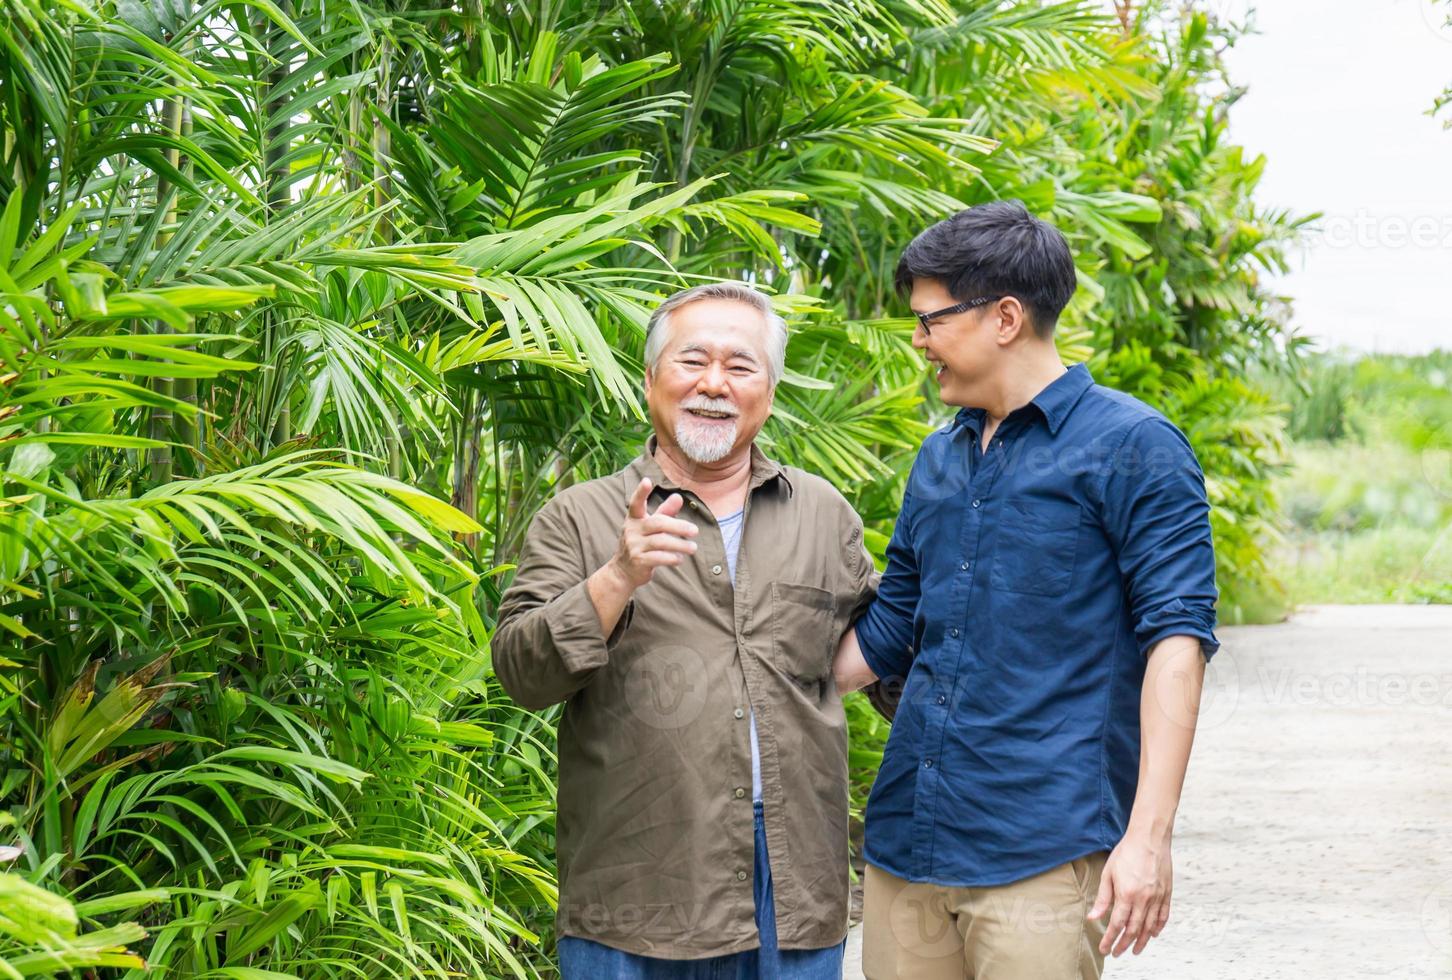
[
  {"x": 1138, "y": 877},
  {"x": 879, "y": 645},
  {"x": 849, "y": 667}
]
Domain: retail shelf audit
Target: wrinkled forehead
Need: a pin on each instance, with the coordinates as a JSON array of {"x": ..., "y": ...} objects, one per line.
[{"x": 719, "y": 328}]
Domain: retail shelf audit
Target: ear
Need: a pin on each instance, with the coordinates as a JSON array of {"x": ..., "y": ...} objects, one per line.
[
  {"x": 649, "y": 377},
  {"x": 1012, "y": 321}
]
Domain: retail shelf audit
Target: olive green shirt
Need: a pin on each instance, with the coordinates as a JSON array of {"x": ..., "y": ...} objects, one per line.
[{"x": 655, "y": 834}]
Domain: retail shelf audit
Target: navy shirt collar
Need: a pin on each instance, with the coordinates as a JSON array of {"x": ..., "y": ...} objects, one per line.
[
  {"x": 1058, "y": 399},
  {"x": 1054, "y": 403}
]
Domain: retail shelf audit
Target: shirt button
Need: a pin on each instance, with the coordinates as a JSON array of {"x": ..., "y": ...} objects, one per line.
[
  {"x": 715, "y": 569},
  {"x": 927, "y": 763},
  {"x": 953, "y": 631},
  {"x": 741, "y": 876},
  {"x": 942, "y": 699},
  {"x": 740, "y": 792},
  {"x": 739, "y": 713},
  {"x": 977, "y": 502},
  {"x": 966, "y": 565}
]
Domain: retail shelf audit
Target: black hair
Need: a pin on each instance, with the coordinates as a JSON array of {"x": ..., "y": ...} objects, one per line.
[{"x": 992, "y": 249}]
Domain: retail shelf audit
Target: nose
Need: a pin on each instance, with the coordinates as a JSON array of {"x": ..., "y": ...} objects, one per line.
[
  {"x": 920, "y": 337},
  {"x": 713, "y": 380}
]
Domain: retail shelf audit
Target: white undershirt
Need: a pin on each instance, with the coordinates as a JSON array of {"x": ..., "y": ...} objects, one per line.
[{"x": 731, "y": 526}]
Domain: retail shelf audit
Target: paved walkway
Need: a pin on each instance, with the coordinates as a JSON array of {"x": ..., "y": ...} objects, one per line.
[{"x": 1315, "y": 833}]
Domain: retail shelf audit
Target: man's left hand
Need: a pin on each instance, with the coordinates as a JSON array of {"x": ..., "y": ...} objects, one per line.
[{"x": 1136, "y": 885}]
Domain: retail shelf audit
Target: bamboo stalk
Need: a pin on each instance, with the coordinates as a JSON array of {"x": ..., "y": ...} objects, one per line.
[
  {"x": 186, "y": 430},
  {"x": 279, "y": 196},
  {"x": 162, "y": 419},
  {"x": 468, "y": 440}
]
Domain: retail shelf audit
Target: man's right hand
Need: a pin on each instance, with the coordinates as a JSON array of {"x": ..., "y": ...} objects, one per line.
[
  {"x": 650, "y": 541},
  {"x": 647, "y": 542}
]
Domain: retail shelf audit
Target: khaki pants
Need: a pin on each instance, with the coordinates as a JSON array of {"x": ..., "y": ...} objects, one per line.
[{"x": 1028, "y": 930}]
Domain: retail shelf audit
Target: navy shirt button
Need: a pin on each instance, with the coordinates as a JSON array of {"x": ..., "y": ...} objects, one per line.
[
  {"x": 942, "y": 699},
  {"x": 977, "y": 502},
  {"x": 953, "y": 631},
  {"x": 927, "y": 763},
  {"x": 965, "y": 566}
]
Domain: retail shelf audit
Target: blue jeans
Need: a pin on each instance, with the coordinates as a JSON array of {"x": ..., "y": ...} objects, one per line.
[{"x": 582, "y": 959}]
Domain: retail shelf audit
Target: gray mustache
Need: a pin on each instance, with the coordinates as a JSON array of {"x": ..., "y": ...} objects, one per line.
[{"x": 712, "y": 405}]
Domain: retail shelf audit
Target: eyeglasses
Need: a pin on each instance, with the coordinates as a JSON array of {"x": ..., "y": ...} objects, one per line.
[{"x": 923, "y": 318}]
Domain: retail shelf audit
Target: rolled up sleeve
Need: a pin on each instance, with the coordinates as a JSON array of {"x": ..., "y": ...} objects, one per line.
[
  {"x": 863, "y": 576},
  {"x": 549, "y": 642},
  {"x": 885, "y": 632},
  {"x": 1157, "y": 516}
]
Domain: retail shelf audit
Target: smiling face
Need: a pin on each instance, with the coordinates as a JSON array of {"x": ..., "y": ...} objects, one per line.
[
  {"x": 966, "y": 349},
  {"x": 710, "y": 392}
]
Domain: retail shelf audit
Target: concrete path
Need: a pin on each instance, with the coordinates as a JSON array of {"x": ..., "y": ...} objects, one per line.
[{"x": 1315, "y": 833}]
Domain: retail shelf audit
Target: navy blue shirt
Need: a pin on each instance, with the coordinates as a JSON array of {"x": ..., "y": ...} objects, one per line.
[{"x": 1025, "y": 585}]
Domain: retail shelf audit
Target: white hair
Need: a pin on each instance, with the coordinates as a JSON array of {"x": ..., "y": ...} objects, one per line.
[{"x": 659, "y": 325}]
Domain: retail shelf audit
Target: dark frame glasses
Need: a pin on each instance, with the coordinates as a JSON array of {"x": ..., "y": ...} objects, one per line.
[{"x": 923, "y": 318}]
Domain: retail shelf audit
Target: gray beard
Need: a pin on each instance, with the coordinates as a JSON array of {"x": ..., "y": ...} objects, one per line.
[{"x": 702, "y": 445}]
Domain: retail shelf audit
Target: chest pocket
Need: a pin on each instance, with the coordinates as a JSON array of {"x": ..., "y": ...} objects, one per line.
[
  {"x": 803, "y": 638},
  {"x": 1037, "y": 541}
]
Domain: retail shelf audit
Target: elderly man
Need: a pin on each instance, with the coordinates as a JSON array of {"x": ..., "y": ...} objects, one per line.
[{"x": 686, "y": 610}]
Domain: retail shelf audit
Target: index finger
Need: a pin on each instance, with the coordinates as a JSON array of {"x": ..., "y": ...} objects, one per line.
[
  {"x": 1133, "y": 929},
  {"x": 671, "y": 507},
  {"x": 657, "y": 524},
  {"x": 1118, "y": 919},
  {"x": 636, "y": 507}
]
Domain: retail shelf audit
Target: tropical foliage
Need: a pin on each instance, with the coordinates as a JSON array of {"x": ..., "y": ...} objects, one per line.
[{"x": 306, "y": 308}]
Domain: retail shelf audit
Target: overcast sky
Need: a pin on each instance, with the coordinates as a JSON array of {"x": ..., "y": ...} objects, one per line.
[{"x": 1338, "y": 98}]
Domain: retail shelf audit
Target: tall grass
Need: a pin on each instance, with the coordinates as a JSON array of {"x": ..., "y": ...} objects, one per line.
[{"x": 1367, "y": 502}]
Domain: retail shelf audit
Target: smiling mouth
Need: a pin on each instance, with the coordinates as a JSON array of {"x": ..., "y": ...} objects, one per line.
[{"x": 706, "y": 413}]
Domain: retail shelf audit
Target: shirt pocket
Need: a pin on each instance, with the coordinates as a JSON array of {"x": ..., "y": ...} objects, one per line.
[
  {"x": 802, "y": 622},
  {"x": 1037, "y": 541}
]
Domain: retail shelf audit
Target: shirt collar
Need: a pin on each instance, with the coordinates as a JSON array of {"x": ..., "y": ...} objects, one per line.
[
  {"x": 969, "y": 418},
  {"x": 1058, "y": 399},
  {"x": 1055, "y": 402},
  {"x": 763, "y": 469}
]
